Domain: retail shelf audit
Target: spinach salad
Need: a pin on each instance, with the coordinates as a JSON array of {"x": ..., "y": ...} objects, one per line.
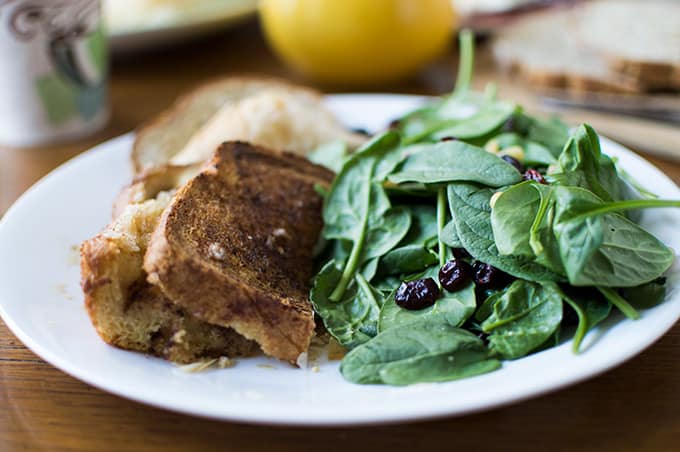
[{"x": 471, "y": 233}]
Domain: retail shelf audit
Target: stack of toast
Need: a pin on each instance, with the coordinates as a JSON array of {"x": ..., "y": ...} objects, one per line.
[{"x": 211, "y": 254}]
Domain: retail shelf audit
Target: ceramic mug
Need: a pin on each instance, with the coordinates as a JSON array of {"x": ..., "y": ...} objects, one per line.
[{"x": 53, "y": 70}]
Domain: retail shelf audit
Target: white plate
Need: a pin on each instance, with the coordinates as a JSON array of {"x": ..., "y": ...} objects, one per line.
[
  {"x": 158, "y": 25},
  {"x": 40, "y": 301}
]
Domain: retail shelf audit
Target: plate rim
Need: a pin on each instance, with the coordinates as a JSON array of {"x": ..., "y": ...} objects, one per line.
[{"x": 301, "y": 420}]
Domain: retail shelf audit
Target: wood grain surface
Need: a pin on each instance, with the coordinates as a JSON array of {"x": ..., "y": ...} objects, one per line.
[{"x": 635, "y": 407}]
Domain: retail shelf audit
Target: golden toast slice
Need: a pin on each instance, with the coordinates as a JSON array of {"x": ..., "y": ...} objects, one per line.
[
  {"x": 235, "y": 246},
  {"x": 128, "y": 312}
]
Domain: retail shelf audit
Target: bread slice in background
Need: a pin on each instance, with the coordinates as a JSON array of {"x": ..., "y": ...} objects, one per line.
[
  {"x": 541, "y": 49},
  {"x": 638, "y": 38},
  {"x": 619, "y": 46},
  {"x": 284, "y": 108},
  {"x": 235, "y": 246},
  {"x": 130, "y": 313}
]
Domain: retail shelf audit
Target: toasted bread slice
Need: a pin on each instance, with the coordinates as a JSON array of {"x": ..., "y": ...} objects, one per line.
[
  {"x": 276, "y": 118},
  {"x": 128, "y": 312},
  {"x": 234, "y": 247}
]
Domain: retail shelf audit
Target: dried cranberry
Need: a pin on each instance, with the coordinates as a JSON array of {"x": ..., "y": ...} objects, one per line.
[
  {"x": 460, "y": 253},
  {"x": 514, "y": 162},
  {"x": 534, "y": 175},
  {"x": 455, "y": 274},
  {"x": 487, "y": 276},
  {"x": 448, "y": 138},
  {"x": 417, "y": 294}
]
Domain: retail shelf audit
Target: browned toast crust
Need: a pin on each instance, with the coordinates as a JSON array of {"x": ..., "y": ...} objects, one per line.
[
  {"x": 234, "y": 247},
  {"x": 129, "y": 313}
]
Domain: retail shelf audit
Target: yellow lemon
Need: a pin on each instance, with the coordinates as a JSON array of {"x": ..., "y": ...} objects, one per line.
[{"x": 357, "y": 41}]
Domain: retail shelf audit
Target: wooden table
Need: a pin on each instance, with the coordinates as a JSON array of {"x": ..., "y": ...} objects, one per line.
[{"x": 633, "y": 407}]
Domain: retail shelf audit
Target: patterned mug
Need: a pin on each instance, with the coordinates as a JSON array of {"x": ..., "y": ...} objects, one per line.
[{"x": 53, "y": 70}]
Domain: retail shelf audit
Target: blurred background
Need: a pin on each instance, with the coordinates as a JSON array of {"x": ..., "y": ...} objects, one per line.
[{"x": 612, "y": 63}]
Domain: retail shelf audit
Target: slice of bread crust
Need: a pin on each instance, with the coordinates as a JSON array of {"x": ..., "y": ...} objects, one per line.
[
  {"x": 235, "y": 246},
  {"x": 159, "y": 140},
  {"x": 128, "y": 312}
]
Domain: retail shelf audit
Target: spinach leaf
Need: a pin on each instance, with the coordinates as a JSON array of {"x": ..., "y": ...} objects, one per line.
[
  {"x": 386, "y": 232},
  {"x": 430, "y": 272},
  {"x": 450, "y": 236},
  {"x": 521, "y": 220},
  {"x": 448, "y": 161},
  {"x": 350, "y": 202},
  {"x": 647, "y": 295},
  {"x": 357, "y": 206},
  {"x": 524, "y": 318},
  {"x": 517, "y": 300},
  {"x": 599, "y": 248},
  {"x": 354, "y": 319},
  {"x": 442, "y": 211},
  {"x": 512, "y": 217},
  {"x": 438, "y": 367},
  {"x": 340, "y": 250},
  {"x": 551, "y": 133},
  {"x": 386, "y": 284},
  {"x": 582, "y": 164},
  {"x": 488, "y": 118},
  {"x": 569, "y": 230},
  {"x": 418, "y": 124},
  {"x": 331, "y": 155},
  {"x": 415, "y": 345},
  {"x": 634, "y": 184},
  {"x": 486, "y": 308},
  {"x": 472, "y": 215},
  {"x": 464, "y": 114},
  {"x": 406, "y": 259},
  {"x": 590, "y": 309},
  {"x": 596, "y": 309},
  {"x": 370, "y": 268},
  {"x": 453, "y": 307},
  {"x": 423, "y": 229}
]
